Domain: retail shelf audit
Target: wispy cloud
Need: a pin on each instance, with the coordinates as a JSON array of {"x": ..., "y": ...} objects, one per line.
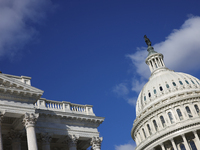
[
  {"x": 121, "y": 89},
  {"x": 17, "y": 23},
  {"x": 129, "y": 146}
]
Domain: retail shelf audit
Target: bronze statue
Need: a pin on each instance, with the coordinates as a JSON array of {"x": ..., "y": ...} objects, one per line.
[{"x": 148, "y": 42}]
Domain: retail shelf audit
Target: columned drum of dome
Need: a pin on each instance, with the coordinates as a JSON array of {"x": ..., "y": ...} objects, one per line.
[{"x": 167, "y": 109}]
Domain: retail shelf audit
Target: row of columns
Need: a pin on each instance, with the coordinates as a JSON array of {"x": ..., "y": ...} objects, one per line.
[
  {"x": 141, "y": 137},
  {"x": 185, "y": 142},
  {"x": 29, "y": 123}
]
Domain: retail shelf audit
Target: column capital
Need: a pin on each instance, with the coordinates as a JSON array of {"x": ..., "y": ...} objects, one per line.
[
  {"x": 30, "y": 119},
  {"x": 72, "y": 140},
  {"x": 1, "y": 116},
  {"x": 14, "y": 134},
  {"x": 96, "y": 142},
  {"x": 45, "y": 137}
]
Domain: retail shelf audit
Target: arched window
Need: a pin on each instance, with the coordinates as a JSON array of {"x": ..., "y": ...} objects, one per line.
[
  {"x": 149, "y": 129},
  {"x": 197, "y": 109},
  {"x": 174, "y": 84},
  {"x": 167, "y": 85},
  {"x": 179, "y": 114},
  {"x": 154, "y": 91},
  {"x": 144, "y": 133},
  {"x": 188, "y": 112},
  {"x": 161, "y": 88},
  {"x": 197, "y": 82},
  {"x": 182, "y": 146},
  {"x": 192, "y": 145},
  {"x": 149, "y": 94},
  {"x": 155, "y": 125},
  {"x": 181, "y": 83},
  {"x": 192, "y": 82},
  {"x": 170, "y": 117},
  {"x": 162, "y": 121},
  {"x": 186, "y": 81},
  {"x": 144, "y": 98}
]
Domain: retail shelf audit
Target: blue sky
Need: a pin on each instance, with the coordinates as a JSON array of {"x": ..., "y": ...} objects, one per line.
[{"x": 93, "y": 51}]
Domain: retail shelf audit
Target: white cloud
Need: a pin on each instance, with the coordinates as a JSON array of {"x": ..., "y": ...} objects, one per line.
[
  {"x": 181, "y": 49},
  {"x": 132, "y": 101},
  {"x": 137, "y": 85},
  {"x": 121, "y": 89},
  {"x": 17, "y": 20},
  {"x": 128, "y": 146}
]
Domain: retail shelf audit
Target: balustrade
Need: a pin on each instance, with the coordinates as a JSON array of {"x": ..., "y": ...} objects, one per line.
[{"x": 64, "y": 106}]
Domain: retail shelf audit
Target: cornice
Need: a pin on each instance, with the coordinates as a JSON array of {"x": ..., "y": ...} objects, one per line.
[
  {"x": 71, "y": 116},
  {"x": 10, "y": 84}
]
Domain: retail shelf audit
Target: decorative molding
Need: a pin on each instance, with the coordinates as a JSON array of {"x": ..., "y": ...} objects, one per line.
[
  {"x": 45, "y": 138},
  {"x": 14, "y": 135},
  {"x": 96, "y": 142},
  {"x": 72, "y": 140},
  {"x": 29, "y": 119}
]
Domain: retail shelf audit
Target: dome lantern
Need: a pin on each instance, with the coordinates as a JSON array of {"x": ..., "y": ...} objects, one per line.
[{"x": 154, "y": 59}]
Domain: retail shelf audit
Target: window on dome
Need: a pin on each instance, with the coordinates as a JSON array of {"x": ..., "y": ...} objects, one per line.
[
  {"x": 182, "y": 147},
  {"x": 179, "y": 114},
  {"x": 170, "y": 117},
  {"x": 167, "y": 85},
  {"x": 155, "y": 125},
  {"x": 144, "y": 133},
  {"x": 154, "y": 91},
  {"x": 192, "y": 145},
  {"x": 149, "y": 129},
  {"x": 188, "y": 112},
  {"x": 144, "y": 98},
  {"x": 174, "y": 84},
  {"x": 181, "y": 83},
  {"x": 186, "y": 81},
  {"x": 197, "y": 82},
  {"x": 197, "y": 109},
  {"x": 149, "y": 94},
  {"x": 192, "y": 82},
  {"x": 162, "y": 121},
  {"x": 161, "y": 88}
]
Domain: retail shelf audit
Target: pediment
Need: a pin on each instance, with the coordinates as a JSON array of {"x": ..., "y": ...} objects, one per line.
[{"x": 12, "y": 87}]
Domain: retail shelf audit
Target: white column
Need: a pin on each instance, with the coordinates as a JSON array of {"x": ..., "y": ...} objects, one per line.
[
  {"x": 1, "y": 143},
  {"x": 196, "y": 138},
  {"x": 72, "y": 142},
  {"x": 153, "y": 63},
  {"x": 162, "y": 146},
  {"x": 185, "y": 142},
  {"x": 173, "y": 144},
  {"x": 29, "y": 123},
  {"x": 96, "y": 143},
  {"x": 139, "y": 137},
  {"x": 46, "y": 139},
  {"x": 15, "y": 137}
]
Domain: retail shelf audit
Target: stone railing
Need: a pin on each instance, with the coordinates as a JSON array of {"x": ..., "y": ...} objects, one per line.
[{"x": 64, "y": 106}]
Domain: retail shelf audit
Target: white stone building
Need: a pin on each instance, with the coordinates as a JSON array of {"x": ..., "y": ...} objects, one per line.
[
  {"x": 167, "y": 109},
  {"x": 28, "y": 122}
]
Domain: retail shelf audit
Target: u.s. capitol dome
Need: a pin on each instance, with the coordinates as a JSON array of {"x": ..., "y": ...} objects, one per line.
[{"x": 167, "y": 109}]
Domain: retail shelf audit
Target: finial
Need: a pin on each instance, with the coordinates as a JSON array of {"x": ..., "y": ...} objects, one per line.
[{"x": 148, "y": 42}]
